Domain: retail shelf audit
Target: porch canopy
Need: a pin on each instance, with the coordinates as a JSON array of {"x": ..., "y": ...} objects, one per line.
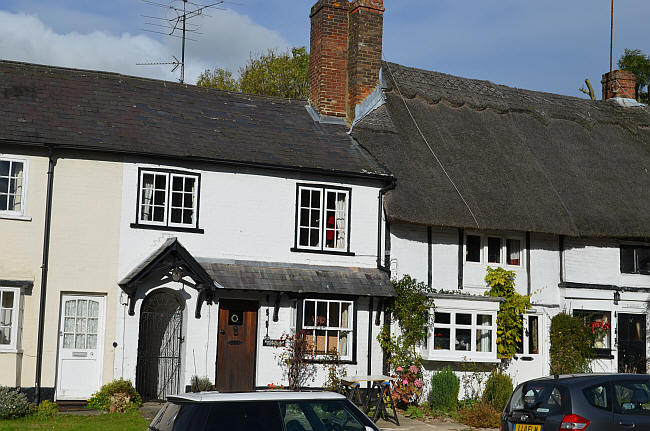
[{"x": 171, "y": 261}]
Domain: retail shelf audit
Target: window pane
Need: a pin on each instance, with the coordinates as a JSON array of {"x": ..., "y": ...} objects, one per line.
[
  {"x": 159, "y": 197},
  {"x": 627, "y": 259},
  {"x": 463, "y": 319},
  {"x": 597, "y": 396},
  {"x": 321, "y": 313},
  {"x": 92, "y": 342},
  {"x": 332, "y": 341},
  {"x": 463, "y": 339},
  {"x": 304, "y": 237},
  {"x": 70, "y": 308},
  {"x": 343, "y": 343},
  {"x": 483, "y": 340},
  {"x": 7, "y": 299},
  {"x": 310, "y": 312},
  {"x": 80, "y": 342},
  {"x": 5, "y": 335},
  {"x": 441, "y": 339},
  {"x": 334, "y": 416},
  {"x": 643, "y": 260},
  {"x": 473, "y": 246},
  {"x": 188, "y": 216},
  {"x": 93, "y": 309},
  {"x": 483, "y": 319},
  {"x": 4, "y": 168},
  {"x": 294, "y": 418},
  {"x": 5, "y": 317},
  {"x": 92, "y": 326},
  {"x": 315, "y": 199},
  {"x": 159, "y": 214},
  {"x": 68, "y": 341},
  {"x": 633, "y": 396},
  {"x": 444, "y": 318},
  {"x": 147, "y": 181},
  {"x": 81, "y": 326},
  {"x": 81, "y": 308},
  {"x": 513, "y": 250},
  {"x": 321, "y": 341},
  {"x": 345, "y": 314},
  {"x": 161, "y": 182},
  {"x": 177, "y": 215},
  {"x": 177, "y": 184},
  {"x": 69, "y": 324},
  {"x": 4, "y": 185},
  {"x": 177, "y": 199},
  {"x": 494, "y": 250},
  {"x": 533, "y": 335},
  {"x": 314, "y": 237},
  {"x": 304, "y": 217},
  {"x": 334, "y": 315},
  {"x": 304, "y": 198},
  {"x": 3, "y": 201}
]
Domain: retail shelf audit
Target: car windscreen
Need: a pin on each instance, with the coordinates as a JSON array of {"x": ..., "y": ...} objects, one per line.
[
  {"x": 319, "y": 415},
  {"x": 540, "y": 399},
  {"x": 228, "y": 416}
]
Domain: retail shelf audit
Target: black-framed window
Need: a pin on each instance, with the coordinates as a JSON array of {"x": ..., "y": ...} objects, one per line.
[
  {"x": 635, "y": 259},
  {"x": 168, "y": 199},
  {"x": 599, "y": 323},
  {"x": 322, "y": 218}
]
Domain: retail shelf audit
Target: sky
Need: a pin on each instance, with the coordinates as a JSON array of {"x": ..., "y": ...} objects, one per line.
[{"x": 549, "y": 45}]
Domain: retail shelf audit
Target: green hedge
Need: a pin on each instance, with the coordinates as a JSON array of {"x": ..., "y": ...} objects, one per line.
[
  {"x": 445, "y": 385},
  {"x": 571, "y": 345},
  {"x": 498, "y": 389}
]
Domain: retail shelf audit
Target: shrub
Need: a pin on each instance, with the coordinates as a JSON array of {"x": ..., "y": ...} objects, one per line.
[
  {"x": 335, "y": 372},
  {"x": 296, "y": 359},
  {"x": 201, "y": 384},
  {"x": 498, "y": 389},
  {"x": 445, "y": 385},
  {"x": 408, "y": 386},
  {"x": 480, "y": 415},
  {"x": 414, "y": 412},
  {"x": 571, "y": 345},
  {"x": 102, "y": 399},
  {"x": 13, "y": 404},
  {"x": 46, "y": 410}
]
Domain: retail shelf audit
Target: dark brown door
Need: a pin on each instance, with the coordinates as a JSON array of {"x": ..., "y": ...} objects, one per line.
[
  {"x": 631, "y": 343},
  {"x": 236, "y": 345}
]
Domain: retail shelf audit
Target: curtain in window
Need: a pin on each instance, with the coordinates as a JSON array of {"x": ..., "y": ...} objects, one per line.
[
  {"x": 147, "y": 197},
  {"x": 16, "y": 187},
  {"x": 340, "y": 220}
]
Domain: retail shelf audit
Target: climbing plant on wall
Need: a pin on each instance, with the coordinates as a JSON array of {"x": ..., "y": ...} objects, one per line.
[{"x": 509, "y": 317}]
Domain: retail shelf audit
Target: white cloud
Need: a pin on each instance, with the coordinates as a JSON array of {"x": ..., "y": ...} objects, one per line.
[{"x": 227, "y": 39}]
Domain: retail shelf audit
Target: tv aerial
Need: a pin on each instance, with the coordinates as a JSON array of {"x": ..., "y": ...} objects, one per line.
[{"x": 175, "y": 22}]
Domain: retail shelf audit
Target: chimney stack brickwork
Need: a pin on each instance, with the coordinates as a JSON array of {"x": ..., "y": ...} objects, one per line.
[
  {"x": 345, "y": 52},
  {"x": 619, "y": 83}
]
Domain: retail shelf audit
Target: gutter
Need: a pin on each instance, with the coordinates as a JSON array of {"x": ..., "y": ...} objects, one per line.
[
  {"x": 44, "y": 269},
  {"x": 380, "y": 212}
]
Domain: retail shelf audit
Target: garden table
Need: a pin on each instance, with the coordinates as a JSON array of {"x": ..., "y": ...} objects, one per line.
[{"x": 378, "y": 395}]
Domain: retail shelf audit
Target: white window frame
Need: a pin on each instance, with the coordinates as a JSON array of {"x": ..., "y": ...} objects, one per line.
[
  {"x": 349, "y": 329},
  {"x": 15, "y": 320},
  {"x": 169, "y": 177},
  {"x": 503, "y": 253},
  {"x": 322, "y": 231},
  {"x": 23, "y": 205},
  {"x": 458, "y": 355}
]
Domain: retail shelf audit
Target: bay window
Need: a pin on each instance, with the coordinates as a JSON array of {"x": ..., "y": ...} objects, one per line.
[
  {"x": 328, "y": 325},
  {"x": 459, "y": 334},
  {"x": 322, "y": 219}
]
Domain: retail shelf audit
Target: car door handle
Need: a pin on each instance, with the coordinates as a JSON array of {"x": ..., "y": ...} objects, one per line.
[{"x": 627, "y": 425}]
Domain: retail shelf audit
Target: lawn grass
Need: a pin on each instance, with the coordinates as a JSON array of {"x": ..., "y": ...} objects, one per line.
[{"x": 109, "y": 422}]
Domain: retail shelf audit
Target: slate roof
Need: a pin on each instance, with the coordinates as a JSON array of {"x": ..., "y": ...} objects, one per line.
[
  {"x": 523, "y": 160},
  {"x": 102, "y": 111},
  {"x": 298, "y": 278}
]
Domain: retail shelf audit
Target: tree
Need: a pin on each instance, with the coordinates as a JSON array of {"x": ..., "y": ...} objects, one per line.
[
  {"x": 635, "y": 61},
  {"x": 282, "y": 74}
]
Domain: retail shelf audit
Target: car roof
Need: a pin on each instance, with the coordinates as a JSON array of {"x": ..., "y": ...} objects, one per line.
[
  {"x": 207, "y": 397},
  {"x": 576, "y": 378}
]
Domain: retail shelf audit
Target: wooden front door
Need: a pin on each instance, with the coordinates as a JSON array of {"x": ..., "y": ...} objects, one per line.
[
  {"x": 236, "y": 344},
  {"x": 631, "y": 343}
]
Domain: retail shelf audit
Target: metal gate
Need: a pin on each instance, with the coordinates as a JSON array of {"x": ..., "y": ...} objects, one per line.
[{"x": 159, "y": 346}]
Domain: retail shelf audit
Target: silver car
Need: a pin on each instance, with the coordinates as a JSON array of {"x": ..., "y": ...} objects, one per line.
[
  {"x": 592, "y": 402},
  {"x": 261, "y": 411}
]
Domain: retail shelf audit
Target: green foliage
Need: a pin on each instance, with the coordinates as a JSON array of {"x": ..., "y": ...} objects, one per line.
[
  {"x": 635, "y": 61},
  {"x": 335, "y": 372},
  {"x": 480, "y": 415},
  {"x": 571, "y": 345},
  {"x": 411, "y": 310},
  {"x": 282, "y": 74},
  {"x": 509, "y": 322},
  {"x": 46, "y": 410},
  {"x": 13, "y": 404},
  {"x": 102, "y": 399},
  {"x": 219, "y": 78},
  {"x": 498, "y": 389},
  {"x": 445, "y": 385},
  {"x": 414, "y": 412},
  {"x": 201, "y": 384}
]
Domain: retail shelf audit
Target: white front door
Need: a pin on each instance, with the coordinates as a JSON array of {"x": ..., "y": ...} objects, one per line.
[
  {"x": 528, "y": 363},
  {"x": 81, "y": 341}
]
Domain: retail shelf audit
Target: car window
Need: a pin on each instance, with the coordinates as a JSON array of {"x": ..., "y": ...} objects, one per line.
[
  {"x": 319, "y": 416},
  {"x": 598, "y": 396},
  {"x": 229, "y": 416},
  {"x": 164, "y": 420},
  {"x": 633, "y": 397},
  {"x": 542, "y": 398}
]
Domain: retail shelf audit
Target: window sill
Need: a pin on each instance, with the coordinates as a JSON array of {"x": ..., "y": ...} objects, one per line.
[
  {"x": 166, "y": 228},
  {"x": 603, "y": 353},
  {"x": 329, "y": 361},
  {"x": 461, "y": 358},
  {"x": 333, "y": 252},
  {"x": 15, "y": 217},
  {"x": 11, "y": 351}
]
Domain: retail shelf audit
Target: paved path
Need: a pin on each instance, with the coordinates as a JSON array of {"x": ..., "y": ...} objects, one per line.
[{"x": 407, "y": 424}]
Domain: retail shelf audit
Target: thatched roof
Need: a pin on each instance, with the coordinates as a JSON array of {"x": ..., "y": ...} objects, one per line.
[{"x": 523, "y": 160}]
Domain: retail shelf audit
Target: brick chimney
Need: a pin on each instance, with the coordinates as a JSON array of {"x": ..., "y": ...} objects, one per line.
[
  {"x": 345, "y": 54},
  {"x": 620, "y": 84}
]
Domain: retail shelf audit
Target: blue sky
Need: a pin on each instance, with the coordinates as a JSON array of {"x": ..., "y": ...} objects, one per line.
[{"x": 549, "y": 45}]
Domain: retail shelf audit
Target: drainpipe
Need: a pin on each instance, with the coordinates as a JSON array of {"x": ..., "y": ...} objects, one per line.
[
  {"x": 380, "y": 211},
  {"x": 44, "y": 268}
]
